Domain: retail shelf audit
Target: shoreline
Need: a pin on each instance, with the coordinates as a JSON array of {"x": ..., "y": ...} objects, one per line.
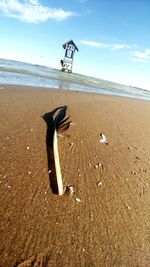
[
  {"x": 110, "y": 226},
  {"x": 16, "y": 86}
]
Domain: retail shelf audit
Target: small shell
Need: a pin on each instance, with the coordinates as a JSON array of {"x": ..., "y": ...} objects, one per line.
[
  {"x": 128, "y": 207},
  {"x": 96, "y": 166},
  {"x": 71, "y": 144},
  {"x": 70, "y": 190},
  {"x": 103, "y": 139},
  {"x": 133, "y": 172},
  {"x": 100, "y": 165},
  {"x": 77, "y": 199}
]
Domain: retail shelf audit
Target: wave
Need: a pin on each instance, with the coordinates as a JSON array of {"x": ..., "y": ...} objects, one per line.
[{"x": 19, "y": 72}]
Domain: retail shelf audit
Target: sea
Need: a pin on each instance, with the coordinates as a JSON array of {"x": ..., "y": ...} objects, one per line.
[{"x": 21, "y": 73}]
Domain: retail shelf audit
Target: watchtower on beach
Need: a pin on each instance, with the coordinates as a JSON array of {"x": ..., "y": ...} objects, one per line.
[{"x": 70, "y": 49}]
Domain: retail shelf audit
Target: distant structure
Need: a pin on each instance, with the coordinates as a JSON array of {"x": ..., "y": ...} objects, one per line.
[{"x": 67, "y": 63}]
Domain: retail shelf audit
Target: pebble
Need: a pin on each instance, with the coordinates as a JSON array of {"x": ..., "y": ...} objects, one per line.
[
  {"x": 29, "y": 172},
  {"x": 89, "y": 164},
  {"x": 130, "y": 148},
  {"x": 27, "y": 148},
  {"x": 79, "y": 174},
  {"x": 49, "y": 171},
  {"x": 99, "y": 183}
]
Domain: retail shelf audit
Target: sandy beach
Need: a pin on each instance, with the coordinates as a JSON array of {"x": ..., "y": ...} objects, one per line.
[{"x": 106, "y": 222}]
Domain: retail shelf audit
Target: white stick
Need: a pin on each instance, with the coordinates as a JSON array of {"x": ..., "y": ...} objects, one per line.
[{"x": 57, "y": 165}]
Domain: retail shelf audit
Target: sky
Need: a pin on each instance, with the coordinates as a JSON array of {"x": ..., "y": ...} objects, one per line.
[{"x": 113, "y": 36}]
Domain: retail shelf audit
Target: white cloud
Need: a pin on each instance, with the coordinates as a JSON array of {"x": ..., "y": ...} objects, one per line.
[
  {"x": 32, "y": 11},
  {"x": 93, "y": 44},
  {"x": 120, "y": 46},
  {"x": 141, "y": 56},
  {"x": 104, "y": 45}
]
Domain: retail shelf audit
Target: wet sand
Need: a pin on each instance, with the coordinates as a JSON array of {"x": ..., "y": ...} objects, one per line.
[{"x": 106, "y": 222}]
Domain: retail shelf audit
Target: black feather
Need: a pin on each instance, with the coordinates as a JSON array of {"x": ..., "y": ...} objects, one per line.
[
  {"x": 63, "y": 121},
  {"x": 60, "y": 123},
  {"x": 62, "y": 128},
  {"x": 60, "y": 116}
]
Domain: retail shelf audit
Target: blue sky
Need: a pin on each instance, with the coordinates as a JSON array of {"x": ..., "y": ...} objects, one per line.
[{"x": 112, "y": 36}]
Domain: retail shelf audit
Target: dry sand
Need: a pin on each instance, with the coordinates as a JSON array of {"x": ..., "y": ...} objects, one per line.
[{"x": 110, "y": 226}]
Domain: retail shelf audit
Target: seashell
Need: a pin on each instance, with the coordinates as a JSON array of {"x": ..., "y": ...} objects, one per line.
[
  {"x": 99, "y": 183},
  {"x": 70, "y": 190},
  {"x": 71, "y": 144},
  {"x": 103, "y": 139},
  {"x": 96, "y": 166},
  {"x": 77, "y": 199}
]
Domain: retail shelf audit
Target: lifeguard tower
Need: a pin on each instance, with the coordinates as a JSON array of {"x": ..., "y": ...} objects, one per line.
[{"x": 70, "y": 49}]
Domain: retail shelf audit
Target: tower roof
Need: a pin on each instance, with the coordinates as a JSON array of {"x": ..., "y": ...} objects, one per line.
[{"x": 71, "y": 42}]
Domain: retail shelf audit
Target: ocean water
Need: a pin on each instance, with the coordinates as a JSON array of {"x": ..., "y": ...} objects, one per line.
[{"x": 20, "y": 73}]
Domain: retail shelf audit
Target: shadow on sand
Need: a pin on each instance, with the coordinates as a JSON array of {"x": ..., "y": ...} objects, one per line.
[{"x": 49, "y": 119}]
